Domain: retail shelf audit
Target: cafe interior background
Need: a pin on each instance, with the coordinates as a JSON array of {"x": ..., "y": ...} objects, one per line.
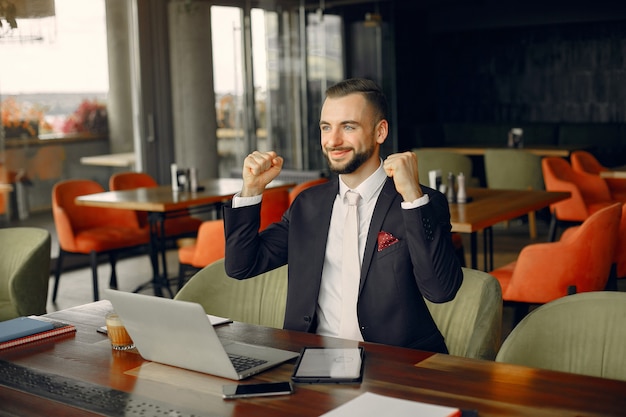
[{"x": 202, "y": 83}]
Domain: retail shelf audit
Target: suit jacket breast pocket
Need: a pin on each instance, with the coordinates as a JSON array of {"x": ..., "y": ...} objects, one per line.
[{"x": 394, "y": 249}]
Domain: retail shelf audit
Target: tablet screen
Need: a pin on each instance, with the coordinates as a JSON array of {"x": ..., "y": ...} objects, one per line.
[{"x": 329, "y": 365}]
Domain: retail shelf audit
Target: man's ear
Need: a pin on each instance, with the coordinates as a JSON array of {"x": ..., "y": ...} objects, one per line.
[{"x": 382, "y": 130}]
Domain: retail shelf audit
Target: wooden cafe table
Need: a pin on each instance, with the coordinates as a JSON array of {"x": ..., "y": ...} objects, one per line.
[
  {"x": 163, "y": 202},
  {"x": 489, "y": 207},
  {"x": 619, "y": 172},
  {"x": 79, "y": 375},
  {"x": 563, "y": 151}
]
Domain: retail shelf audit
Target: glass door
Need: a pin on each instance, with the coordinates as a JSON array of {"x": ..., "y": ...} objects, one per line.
[{"x": 271, "y": 68}]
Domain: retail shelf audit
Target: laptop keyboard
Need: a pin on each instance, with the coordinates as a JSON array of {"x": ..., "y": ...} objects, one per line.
[{"x": 243, "y": 363}]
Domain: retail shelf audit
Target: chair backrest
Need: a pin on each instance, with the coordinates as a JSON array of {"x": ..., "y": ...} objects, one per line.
[
  {"x": 70, "y": 218},
  {"x": 513, "y": 169},
  {"x": 210, "y": 245},
  {"x": 259, "y": 300},
  {"x": 293, "y": 193},
  {"x": 129, "y": 180},
  {"x": 24, "y": 271},
  {"x": 620, "y": 249},
  {"x": 584, "y": 161},
  {"x": 580, "y": 333},
  {"x": 446, "y": 161},
  {"x": 585, "y": 189},
  {"x": 472, "y": 323},
  {"x": 4, "y": 195},
  {"x": 274, "y": 204},
  {"x": 581, "y": 258}
]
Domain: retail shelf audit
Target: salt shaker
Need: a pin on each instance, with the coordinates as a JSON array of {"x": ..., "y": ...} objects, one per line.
[
  {"x": 174, "y": 171},
  {"x": 461, "y": 195}
]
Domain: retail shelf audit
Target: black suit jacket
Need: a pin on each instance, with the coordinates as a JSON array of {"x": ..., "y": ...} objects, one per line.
[{"x": 391, "y": 308}]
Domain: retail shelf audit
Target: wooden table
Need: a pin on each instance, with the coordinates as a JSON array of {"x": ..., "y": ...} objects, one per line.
[
  {"x": 121, "y": 160},
  {"x": 543, "y": 150},
  {"x": 619, "y": 172},
  {"x": 162, "y": 203},
  {"x": 489, "y": 207},
  {"x": 83, "y": 370}
]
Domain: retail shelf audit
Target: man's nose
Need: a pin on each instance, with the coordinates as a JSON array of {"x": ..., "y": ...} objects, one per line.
[{"x": 333, "y": 138}]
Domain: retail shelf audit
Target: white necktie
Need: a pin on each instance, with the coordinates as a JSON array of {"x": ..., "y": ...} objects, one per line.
[{"x": 350, "y": 271}]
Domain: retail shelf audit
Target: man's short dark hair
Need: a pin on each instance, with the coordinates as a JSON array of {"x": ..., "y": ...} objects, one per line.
[{"x": 370, "y": 90}]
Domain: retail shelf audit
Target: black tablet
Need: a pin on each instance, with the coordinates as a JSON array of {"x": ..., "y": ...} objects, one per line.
[{"x": 329, "y": 365}]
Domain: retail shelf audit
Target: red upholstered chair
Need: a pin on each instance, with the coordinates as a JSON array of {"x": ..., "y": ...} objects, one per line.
[
  {"x": 174, "y": 227},
  {"x": 579, "y": 262},
  {"x": 589, "y": 193},
  {"x": 210, "y": 244},
  {"x": 92, "y": 230},
  {"x": 293, "y": 193},
  {"x": 274, "y": 204},
  {"x": 619, "y": 262},
  {"x": 583, "y": 161}
]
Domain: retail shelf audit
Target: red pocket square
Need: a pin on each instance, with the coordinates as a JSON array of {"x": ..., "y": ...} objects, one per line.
[{"x": 385, "y": 240}]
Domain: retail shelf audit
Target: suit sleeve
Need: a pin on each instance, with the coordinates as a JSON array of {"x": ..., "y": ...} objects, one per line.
[
  {"x": 436, "y": 267},
  {"x": 248, "y": 252}
]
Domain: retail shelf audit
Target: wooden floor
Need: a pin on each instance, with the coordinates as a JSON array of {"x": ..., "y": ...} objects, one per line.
[{"x": 76, "y": 289}]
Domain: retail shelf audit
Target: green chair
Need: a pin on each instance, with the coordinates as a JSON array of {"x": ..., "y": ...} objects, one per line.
[
  {"x": 514, "y": 169},
  {"x": 446, "y": 161},
  {"x": 472, "y": 323},
  {"x": 24, "y": 271},
  {"x": 582, "y": 333},
  {"x": 259, "y": 300}
]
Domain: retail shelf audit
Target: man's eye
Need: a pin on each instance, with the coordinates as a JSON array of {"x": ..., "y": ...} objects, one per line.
[
  {"x": 325, "y": 128},
  {"x": 348, "y": 127}
]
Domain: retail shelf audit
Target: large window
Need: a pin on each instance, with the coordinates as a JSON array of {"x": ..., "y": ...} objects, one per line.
[
  {"x": 262, "y": 101},
  {"x": 59, "y": 84},
  {"x": 54, "y": 84}
]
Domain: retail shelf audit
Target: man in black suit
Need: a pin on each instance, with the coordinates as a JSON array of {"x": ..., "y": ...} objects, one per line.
[{"x": 404, "y": 236}]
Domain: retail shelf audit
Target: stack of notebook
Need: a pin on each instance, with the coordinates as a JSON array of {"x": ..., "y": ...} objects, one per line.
[{"x": 22, "y": 330}]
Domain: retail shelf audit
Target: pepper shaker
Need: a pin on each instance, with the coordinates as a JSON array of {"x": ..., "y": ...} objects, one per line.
[
  {"x": 461, "y": 195},
  {"x": 450, "y": 195}
]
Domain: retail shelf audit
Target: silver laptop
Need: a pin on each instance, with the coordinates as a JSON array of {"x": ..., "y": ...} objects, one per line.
[{"x": 179, "y": 333}]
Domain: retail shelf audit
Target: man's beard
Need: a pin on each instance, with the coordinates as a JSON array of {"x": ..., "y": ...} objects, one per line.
[{"x": 353, "y": 164}]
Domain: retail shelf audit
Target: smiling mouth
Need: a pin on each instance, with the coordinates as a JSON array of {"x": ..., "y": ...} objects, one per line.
[{"x": 339, "y": 153}]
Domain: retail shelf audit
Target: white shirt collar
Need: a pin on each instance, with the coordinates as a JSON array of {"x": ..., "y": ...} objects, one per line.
[{"x": 369, "y": 188}]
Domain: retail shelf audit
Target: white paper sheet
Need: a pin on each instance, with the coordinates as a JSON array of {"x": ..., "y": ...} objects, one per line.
[{"x": 374, "y": 405}]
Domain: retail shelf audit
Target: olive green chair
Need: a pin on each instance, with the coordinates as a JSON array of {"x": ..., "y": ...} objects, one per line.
[
  {"x": 472, "y": 323},
  {"x": 582, "y": 333},
  {"x": 24, "y": 271},
  {"x": 446, "y": 161},
  {"x": 514, "y": 169},
  {"x": 259, "y": 300}
]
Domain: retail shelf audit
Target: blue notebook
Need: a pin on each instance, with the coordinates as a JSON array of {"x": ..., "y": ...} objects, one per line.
[{"x": 22, "y": 326}]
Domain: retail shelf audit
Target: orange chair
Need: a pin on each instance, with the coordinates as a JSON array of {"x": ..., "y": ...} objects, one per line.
[
  {"x": 4, "y": 195},
  {"x": 92, "y": 230},
  {"x": 589, "y": 193},
  {"x": 583, "y": 161},
  {"x": 618, "y": 270},
  {"x": 274, "y": 204},
  {"x": 579, "y": 262},
  {"x": 293, "y": 193},
  {"x": 208, "y": 248},
  {"x": 211, "y": 243},
  {"x": 175, "y": 226}
]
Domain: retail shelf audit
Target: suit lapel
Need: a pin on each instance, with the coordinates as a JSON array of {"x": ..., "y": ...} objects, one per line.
[{"x": 385, "y": 200}]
